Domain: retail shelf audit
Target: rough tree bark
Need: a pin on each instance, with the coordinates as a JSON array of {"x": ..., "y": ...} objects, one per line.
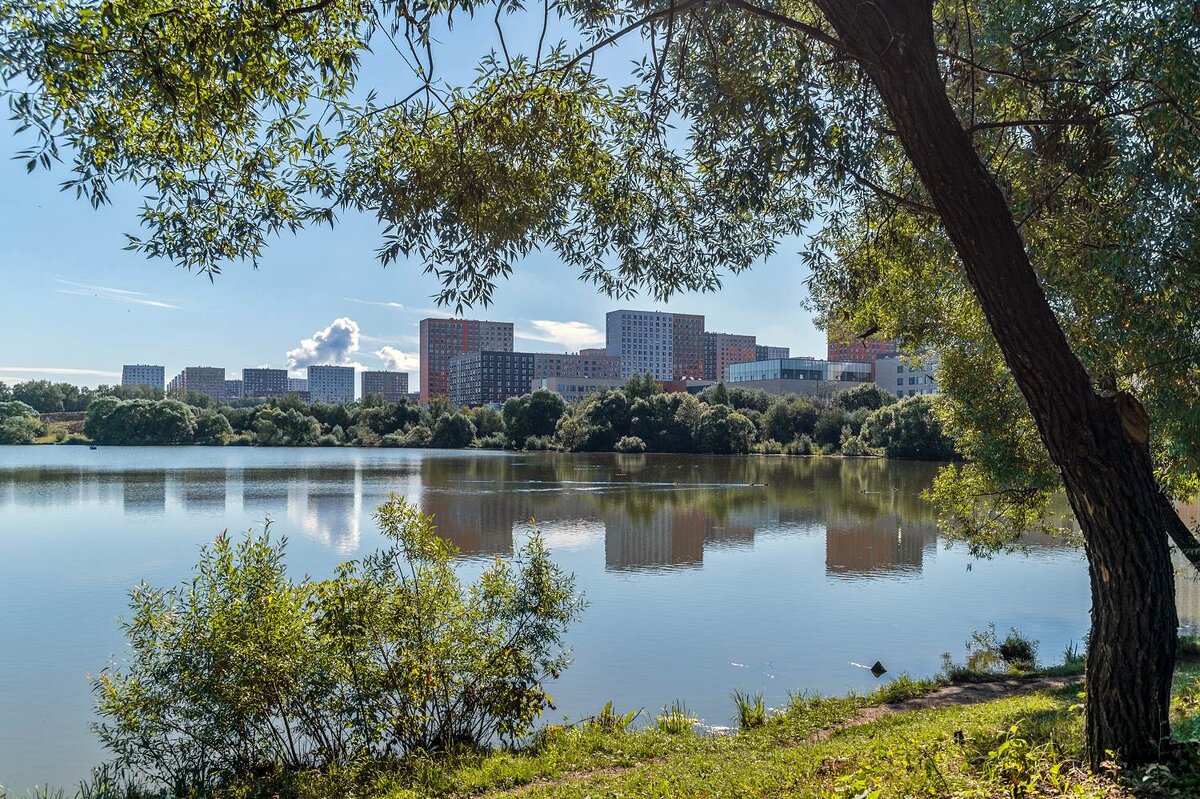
[{"x": 1098, "y": 443}]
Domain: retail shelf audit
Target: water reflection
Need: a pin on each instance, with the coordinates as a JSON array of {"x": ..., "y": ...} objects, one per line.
[
  {"x": 653, "y": 512},
  {"x": 793, "y": 568}
]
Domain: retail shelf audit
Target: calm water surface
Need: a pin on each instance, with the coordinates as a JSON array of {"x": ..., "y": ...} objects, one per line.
[{"x": 704, "y": 574}]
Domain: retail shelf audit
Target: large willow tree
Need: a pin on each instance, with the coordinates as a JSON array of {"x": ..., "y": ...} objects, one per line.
[{"x": 1013, "y": 183}]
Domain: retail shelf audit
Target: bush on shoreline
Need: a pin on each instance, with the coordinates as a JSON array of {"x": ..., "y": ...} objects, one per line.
[{"x": 244, "y": 676}]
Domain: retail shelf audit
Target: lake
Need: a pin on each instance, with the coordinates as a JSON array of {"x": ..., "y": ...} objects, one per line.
[{"x": 704, "y": 574}]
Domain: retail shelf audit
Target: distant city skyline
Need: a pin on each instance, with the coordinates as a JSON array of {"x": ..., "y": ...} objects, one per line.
[{"x": 80, "y": 306}]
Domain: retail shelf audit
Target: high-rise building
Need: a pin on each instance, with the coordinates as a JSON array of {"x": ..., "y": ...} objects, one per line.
[
  {"x": 489, "y": 377},
  {"x": 264, "y": 382},
  {"x": 764, "y": 353},
  {"x": 723, "y": 349},
  {"x": 391, "y": 386},
  {"x": 234, "y": 390},
  {"x": 207, "y": 380},
  {"x": 443, "y": 340},
  {"x": 332, "y": 384},
  {"x": 592, "y": 363},
  {"x": 297, "y": 385},
  {"x": 667, "y": 346},
  {"x": 141, "y": 374},
  {"x": 859, "y": 350}
]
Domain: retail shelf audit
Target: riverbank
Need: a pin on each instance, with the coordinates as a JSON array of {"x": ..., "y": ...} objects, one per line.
[
  {"x": 1014, "y": 736},
  {"x": 1000, "y": 737}
]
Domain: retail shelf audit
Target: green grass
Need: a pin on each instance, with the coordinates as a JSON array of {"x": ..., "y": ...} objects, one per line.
[
  {"x": 1029, "y": 745},
  {"x": 1021, "y": 746}
]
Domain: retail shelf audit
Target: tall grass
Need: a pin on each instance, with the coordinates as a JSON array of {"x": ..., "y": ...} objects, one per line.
[
  {"x": 751, "y": 709},
  {"x": 675, "y": 719}
]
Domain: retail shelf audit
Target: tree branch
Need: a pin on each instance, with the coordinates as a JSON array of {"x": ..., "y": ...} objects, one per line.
[
  {"x": 913, "y": 205},
  {"x": 679, "y": 8}
]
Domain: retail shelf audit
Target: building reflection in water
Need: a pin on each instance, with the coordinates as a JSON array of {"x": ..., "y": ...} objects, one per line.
[
  {"x": 202, "y": 490},
  {"x": 654, "y": 512},
  {"x": 327, "y": 506},
  {"x": 882, "y": 546},
  {"x": 265, "y": 492},
  {"x": 144, "y": 492}
]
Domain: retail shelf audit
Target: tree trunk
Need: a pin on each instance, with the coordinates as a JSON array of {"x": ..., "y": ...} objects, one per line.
[{"x": 1098, "y": 443}]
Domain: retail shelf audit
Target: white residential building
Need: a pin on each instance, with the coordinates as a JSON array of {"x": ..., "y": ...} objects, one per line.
[
  {"x": 332, "y": 384},
  {"x": 142, "y": 374},
  {"x": 905, "y": 377},
  {"x": 667, "y": 346}
]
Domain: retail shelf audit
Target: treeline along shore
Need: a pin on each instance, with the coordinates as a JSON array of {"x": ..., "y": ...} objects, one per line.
[{"x": 640, "y": 417}]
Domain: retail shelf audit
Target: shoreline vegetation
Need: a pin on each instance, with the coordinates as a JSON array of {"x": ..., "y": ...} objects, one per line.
[
  {"x": 640, "y": 417},
  {"x": 393, "y": 680}
]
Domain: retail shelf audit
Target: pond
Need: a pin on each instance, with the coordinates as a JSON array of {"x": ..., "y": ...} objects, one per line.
[{"x": 703, "y": 574}]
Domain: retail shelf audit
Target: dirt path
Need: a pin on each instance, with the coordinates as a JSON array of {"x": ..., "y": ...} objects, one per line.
[{"x": 950, "y": 696}]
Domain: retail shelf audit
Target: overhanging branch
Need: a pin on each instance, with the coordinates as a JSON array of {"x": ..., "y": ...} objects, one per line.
[{"x": 811, "y": 31}]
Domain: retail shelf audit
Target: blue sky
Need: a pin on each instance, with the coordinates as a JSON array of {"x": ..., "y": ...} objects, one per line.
[{"x": 75, "y": 305}]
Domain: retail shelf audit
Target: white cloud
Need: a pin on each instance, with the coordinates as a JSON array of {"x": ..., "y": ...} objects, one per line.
[
  {"x": 407, "y": 341},
  {"x": 334, "y": 344},
  {"x": 572, "y": 335},
  {"x": 398, "y": 361},
  {"x": 397, "y": 306},
  {"x": 59, "y": 370},
  {"x": 109, "y": 293}
]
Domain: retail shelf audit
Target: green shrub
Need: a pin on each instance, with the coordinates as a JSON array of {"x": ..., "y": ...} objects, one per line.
[
  {"x": 725, "y": 431},
  {"x": 540, "y": 443},
  {"x": 853, "y": 446},
  {"x": 493, "y": 441},
  {"x": 675, "y": 719},
  {"x": 20, "y": 429},
  {"x": 630, "y": 444},
  {"x": 751, "y": 709},
  {"x": 416, "y": 436},
  {"x": 802, "y": 445},
  {"x": 243, "y": 672},
  {"x": 1018, "y": 652},
  {"x": 610, "y": 721},
  {"x": 452, "y": 431},
  {"x": 909, "y": 429},
  {"x": 987, "y": 655},
  {"x": 768, "y": 447}
]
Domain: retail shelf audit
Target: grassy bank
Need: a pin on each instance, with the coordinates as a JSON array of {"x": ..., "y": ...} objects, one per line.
[
  {"x": 909, "y": 739},
  {"x": 1023, "y": 744}
]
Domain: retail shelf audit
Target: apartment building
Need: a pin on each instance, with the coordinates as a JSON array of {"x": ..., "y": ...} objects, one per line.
[
  {"x": 443, "y": 340},
  {"x": 667, "y": 346},
  {"x": 489, "y": 377},
  {"x": 723, "y": 349},
  {"x": 589, "y": 363},
  {"x": 391, "y": 386},
  {"x": 234, "y": 390},
  {"x": 763, "y": 352},
  {"x": 263, "y": 382},
  {"x": 909, "y": 379},
  {"x": 573, "y": 389},
  {"x": 207, "y": 380},
  {"x": 331, "y": 384},
  {"x": 143, "y": 374},
  {"x": 859, "y": 350}
]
